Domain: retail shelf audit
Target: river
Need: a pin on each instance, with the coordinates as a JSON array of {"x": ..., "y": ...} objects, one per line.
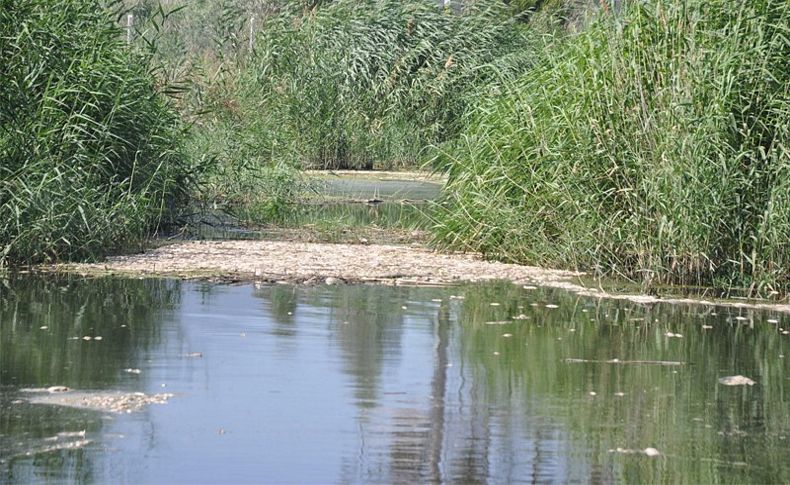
[{"x": 357, "y": 384}]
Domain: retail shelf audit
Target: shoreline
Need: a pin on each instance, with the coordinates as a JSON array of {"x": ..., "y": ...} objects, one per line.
[{"x": 336, "y": 263}]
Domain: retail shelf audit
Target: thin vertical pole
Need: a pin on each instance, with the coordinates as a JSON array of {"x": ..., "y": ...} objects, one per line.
[
  {"x": 129, "y": 26},
  {"x": 252, "y": 31}
]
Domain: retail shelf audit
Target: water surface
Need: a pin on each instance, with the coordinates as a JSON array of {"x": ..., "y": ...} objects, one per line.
[{"x": 386, "y": 384}]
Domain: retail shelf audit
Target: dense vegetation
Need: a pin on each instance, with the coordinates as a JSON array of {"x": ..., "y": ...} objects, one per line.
[
  {"x": 352, "y": 85},
  {"x": 91, "y": 155},
  {"x": 652, "y": 145},
  {"x": 641, "y": 139}
]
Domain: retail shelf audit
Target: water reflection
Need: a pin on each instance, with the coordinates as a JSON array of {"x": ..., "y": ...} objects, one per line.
[
  {"x": 392, "y": 384},
  {"x": 66, "y": 332}
]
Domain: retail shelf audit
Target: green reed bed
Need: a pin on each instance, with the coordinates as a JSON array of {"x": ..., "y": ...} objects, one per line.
[
  {"x": 653, "y": 144},
  {"x": 364, "y": 84},
  {"x": 91, "y": 155}
]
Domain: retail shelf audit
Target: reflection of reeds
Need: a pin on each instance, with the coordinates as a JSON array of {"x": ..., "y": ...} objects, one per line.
[
  {"x": 43, "y": 322},
  {"x": 652, "y": 145},
  {"x": 681, "y": 410}
]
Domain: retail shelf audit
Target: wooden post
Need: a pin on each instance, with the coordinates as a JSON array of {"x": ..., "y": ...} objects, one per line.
[
  {"x": 252, "y": 31},
  {"x": 129, "y": 26}
]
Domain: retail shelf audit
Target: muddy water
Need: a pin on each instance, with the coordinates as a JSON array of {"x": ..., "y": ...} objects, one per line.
[{"x": 384, "y": 384}]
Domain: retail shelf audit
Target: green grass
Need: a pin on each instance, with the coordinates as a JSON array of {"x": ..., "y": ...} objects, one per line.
[
  {"x": 91, "y": 154},
  {"x": 651, "y": 145}
]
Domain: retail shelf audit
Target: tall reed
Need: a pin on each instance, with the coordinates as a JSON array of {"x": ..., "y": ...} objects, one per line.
[
  {"x": 357, "y": 84},
  {"x": 91, "y": 155},
  {"x": 652, "y": 145}
]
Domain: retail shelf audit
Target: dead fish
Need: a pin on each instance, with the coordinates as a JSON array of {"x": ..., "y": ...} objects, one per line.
[
  {"x": 54, "y": 389},
  {"x": 736, "y": 381}
]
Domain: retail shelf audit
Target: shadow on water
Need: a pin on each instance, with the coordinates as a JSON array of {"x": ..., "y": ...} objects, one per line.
[{"x": 394, "y": 384}]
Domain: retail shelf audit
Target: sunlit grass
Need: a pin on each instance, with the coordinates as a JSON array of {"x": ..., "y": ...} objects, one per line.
[
  {"x": 91, "y": 155},
  {"x": 653, "y": 146}
]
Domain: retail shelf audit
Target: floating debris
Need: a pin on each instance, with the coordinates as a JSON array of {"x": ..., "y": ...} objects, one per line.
[
  {"x": 496, "y": 353},
  {"x": 772, "y": 320},
  {"x": 551, "y": 305},
  {"x": 404, "y": 307},
  {"x": 43, "y": 327},
  {"x": 86, "y": 338},
  {"x": 67, "y": 445},
  {"x": 618, "y": 361},
  {"x": 499, "y": 322},
  {"x": 520, "y": 317},
  {"x": 619, "y": 394},
  {"x": 593, "y": 393},
  {"x": 507, "y": 335},
  {"x": 530, "y": 287},
  {"x": 436, "y": 300},
  {"x": 736, "y": 381},
  {"x": 673, "y": 335},
  {"x": 494, "y": 304},
  {"x": 652, "y": 452},
  {"x": 194, "y": 355},
  {"x": 114, "y": 402},
  {"x": 132, "y": 371},
  {"x": 331, "y": 280},
  {"x": 741, "y": 319},
  {"x": 707, "y": 327},
  {"x": 98, "y": 338}
]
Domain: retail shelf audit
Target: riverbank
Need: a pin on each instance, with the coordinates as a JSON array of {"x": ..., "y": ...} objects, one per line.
[{"x": 322, "y": 263}]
